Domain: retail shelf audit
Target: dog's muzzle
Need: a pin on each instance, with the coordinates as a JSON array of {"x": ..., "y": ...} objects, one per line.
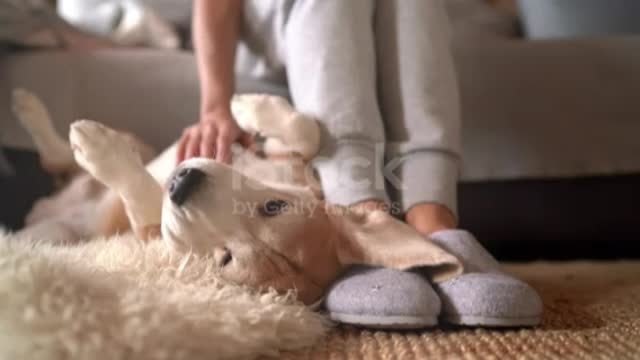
[{"x": 183, "y": 183}]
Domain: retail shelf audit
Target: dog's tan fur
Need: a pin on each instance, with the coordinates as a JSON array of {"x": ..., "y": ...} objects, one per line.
[
  {"x": 114, "y": 219},
  {"x": 304, "y": 248}
]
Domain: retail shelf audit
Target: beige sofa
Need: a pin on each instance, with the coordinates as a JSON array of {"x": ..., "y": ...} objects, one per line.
[{"x": 530, "y": 109}]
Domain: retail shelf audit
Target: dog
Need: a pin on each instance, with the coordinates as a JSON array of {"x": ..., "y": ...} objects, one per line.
[{"x": 262, "y": 220}]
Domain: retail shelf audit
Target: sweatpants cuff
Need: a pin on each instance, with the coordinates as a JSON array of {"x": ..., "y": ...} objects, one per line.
[
  {"x": 351, "y": 172},
  {"x": 425, "y": 176}
]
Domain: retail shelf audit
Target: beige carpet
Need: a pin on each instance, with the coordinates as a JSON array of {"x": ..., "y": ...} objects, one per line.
[{"x": 592, "y": 311}]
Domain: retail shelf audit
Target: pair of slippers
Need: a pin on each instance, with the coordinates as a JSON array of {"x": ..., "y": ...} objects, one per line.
[{"x": 482, "y": 295}]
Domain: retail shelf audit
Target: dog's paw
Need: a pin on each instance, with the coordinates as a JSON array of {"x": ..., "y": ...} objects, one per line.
[
  {"x": 30, "y": 111},
  {"x": 104, "y": 153},
  {"x": 259, "y": 113},
  {"x": 285, "y": 130}
]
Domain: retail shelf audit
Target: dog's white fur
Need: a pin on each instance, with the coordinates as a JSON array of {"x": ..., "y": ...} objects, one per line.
[{"x": 303, "y": 248}]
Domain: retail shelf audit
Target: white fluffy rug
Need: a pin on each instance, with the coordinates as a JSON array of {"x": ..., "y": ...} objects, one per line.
[{"x": 119, "y": 299}]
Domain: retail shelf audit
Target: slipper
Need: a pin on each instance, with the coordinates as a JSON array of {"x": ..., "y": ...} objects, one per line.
[
  {"x": 483, "y": 295},
  {"x": 383, "y": 299}
]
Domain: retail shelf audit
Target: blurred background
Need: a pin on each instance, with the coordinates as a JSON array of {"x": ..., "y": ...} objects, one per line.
[{"x": 551, "y": 140}]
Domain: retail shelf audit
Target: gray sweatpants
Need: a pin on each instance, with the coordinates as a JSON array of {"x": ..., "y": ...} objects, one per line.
[{"x": 379, "y": 76}]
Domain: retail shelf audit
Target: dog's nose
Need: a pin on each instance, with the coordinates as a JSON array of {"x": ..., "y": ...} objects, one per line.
[{"x": 183, "y": 183}]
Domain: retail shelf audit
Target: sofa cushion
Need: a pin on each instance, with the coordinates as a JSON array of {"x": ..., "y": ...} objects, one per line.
[
  {"x": 530, "y": 109},
  {"x": 541, "y": 109},
  {"x": 150, "y": 92}
]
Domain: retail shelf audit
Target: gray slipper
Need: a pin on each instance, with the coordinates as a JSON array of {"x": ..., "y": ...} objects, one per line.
[
  {"x": 483, "y": 295},
  {"x": 383, "y": 298}
]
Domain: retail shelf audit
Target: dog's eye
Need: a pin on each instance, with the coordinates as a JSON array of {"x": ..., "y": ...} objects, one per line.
[
  {"x": 273, "y": 207},
  {"x": 226, "y": 259}
]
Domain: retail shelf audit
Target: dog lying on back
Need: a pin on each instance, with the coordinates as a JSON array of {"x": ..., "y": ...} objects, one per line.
[{"x": 262, "y": 220}]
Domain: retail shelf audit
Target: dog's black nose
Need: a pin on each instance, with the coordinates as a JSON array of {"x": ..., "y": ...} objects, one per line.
[{"x": 183, "y": 183}]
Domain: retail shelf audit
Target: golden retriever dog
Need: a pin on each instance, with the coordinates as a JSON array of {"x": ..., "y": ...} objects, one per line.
[{"x": 263, "y": 219}]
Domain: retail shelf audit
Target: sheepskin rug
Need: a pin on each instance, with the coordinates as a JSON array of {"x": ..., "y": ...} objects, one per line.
[{"x": 117, "y": 298}]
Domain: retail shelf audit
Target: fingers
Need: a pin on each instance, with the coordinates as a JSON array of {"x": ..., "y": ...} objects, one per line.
[
  {"x": 223, "y": 147},
  {"x": 208, "y": 143},
  {"x": 211, "y": 140},
  {"x": 196, "y": 141},
  {"x": 182, "y": 146},
  {"x": 193, "y": 146}
]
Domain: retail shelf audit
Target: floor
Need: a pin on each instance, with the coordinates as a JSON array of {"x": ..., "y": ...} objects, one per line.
[{"x": 592, "y": 311}]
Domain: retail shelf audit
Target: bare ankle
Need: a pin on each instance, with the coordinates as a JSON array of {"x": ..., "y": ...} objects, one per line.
[{"x": 428, "y": 218}]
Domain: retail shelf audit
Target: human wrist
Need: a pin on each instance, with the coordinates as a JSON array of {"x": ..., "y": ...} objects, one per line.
[
  {"x": 216, "y": 114},
  {"x": 214, "y": 103}
]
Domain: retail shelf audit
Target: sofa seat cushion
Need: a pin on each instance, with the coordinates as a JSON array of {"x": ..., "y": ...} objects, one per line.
[{"x": 530, "y": 109}]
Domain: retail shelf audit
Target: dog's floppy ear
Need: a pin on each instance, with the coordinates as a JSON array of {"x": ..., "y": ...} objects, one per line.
[{"x": 378, "y": 239}]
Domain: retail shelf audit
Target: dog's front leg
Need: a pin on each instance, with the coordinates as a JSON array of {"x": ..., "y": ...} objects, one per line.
[{"x": 114, "y": 161}]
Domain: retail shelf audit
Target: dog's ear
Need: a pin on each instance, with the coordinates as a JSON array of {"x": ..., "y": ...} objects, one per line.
[{"x": 378, "y": 239}]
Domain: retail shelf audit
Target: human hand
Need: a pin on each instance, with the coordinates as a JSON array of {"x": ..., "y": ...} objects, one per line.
[{"x": 211, "y": 137}]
